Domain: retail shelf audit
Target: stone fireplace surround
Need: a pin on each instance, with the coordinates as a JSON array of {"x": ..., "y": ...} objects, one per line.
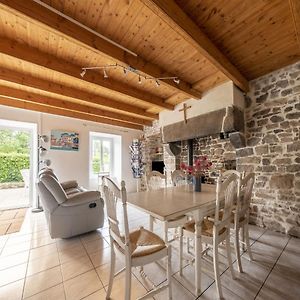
[{"x": 272, "y": 150}]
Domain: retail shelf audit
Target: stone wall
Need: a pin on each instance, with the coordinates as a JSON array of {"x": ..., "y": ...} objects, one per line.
[
  {"x": 273, "y": 149},
  {"x": 272, "y": 131}
]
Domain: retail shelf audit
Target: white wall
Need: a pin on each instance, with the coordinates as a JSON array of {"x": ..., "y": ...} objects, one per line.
[
  {"x": 219, "y": 97},
  {"x": 75, "y": 165}
]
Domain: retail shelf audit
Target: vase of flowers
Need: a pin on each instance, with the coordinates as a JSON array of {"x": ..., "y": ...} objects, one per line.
[{"x": 201, "y": 164}]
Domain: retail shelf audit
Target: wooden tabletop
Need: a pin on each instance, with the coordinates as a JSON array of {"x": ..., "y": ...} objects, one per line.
[{"x": 168, "y": 203}]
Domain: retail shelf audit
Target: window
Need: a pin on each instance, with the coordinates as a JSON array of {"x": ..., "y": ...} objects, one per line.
[
  {"x": 102, "y": 155},
  {"x": 105, "y": 157}
]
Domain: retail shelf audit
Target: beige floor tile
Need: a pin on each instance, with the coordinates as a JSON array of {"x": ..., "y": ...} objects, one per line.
[
  {"x": 64, "y": 244},
  {"x": 42, "y": 281},
  {"x": 178, "y": 292},
  {"x": 188, "y": 279},
  {"x": 8, "y": 214},
  {"x": 17, "y": 239},
  {"x": 42, "y": 251},
  {"x": 72, "y": 253},
  {"x": 118, "y": 289},
  {"x": 10, "y": 250},
  {"x": 35, "y": 243},
  {"x": 99, "y": 295},
  {"x": 82, "y": 285},
  {"x": 211, "y": 294},
  {"x": 14, "y": 260},
  {"x": 100, "y": 257},
  {"x": 12, "y": 274},
  {"x": 12, "y": 291},
  {"x": 4, "y": 228},
  {"x": 96, "y": 245},
  {"x": 55, "y": 293},
  {"x": 91, "y": 236},
  {"x": 76, "y": 267},
  {"x": 42, "y": 264},
  {"x": 103, "y": 271}
]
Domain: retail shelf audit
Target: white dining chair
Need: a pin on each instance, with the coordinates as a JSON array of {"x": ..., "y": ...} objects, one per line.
[
  {"x": 241, "y": 217},
  {"x": 216, "y": 231},
  {"x": 156, "y": 180},
  {"x": 178, "y": 177},
  {"x": 137, "y": 248}
]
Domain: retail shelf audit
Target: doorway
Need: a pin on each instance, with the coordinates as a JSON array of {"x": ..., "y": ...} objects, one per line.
[{"x": 17, "y": 161}]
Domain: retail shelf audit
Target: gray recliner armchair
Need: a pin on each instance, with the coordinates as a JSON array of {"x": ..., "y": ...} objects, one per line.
[{"x": 69, "y": 209}]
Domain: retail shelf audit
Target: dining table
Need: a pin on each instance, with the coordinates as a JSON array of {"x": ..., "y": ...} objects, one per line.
[{"x": 168, "y": 203}]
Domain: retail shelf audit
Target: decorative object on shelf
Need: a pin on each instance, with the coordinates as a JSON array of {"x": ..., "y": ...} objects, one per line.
[
  {"x": 137, "y": 165},
  {"x": 64, "y": 140},
  {"x": 201, "y": 164},
  {"x": 129, "y": 69}
]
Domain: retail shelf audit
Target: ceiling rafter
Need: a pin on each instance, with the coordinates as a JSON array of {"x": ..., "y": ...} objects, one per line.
[
  {"x": 66, "y": 113},
  {"x": 173, "y": 15},
  {"x": 57, "y": 103},
  {"x": 295, "y": 11},
  {"x": 81, "y": 35},
  {"x": 34, "y": 56},
  {"x": 55, "y": 88}
]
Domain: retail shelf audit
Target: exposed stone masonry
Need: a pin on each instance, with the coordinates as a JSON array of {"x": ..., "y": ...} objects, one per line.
[
  {"x": 273, "y": 149},
  {"x": 272, "y": 131}
]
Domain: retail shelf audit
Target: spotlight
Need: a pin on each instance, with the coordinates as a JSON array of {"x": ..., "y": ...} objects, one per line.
[
  {"x": 83, "y": 72},
  {"x": 125, "y": 71},
  {"x": 157, "y": 82},
  {"x": 105, "y": 74},
  {"x": 140, "y": 79},
  {"x": 176, "y": 80}
]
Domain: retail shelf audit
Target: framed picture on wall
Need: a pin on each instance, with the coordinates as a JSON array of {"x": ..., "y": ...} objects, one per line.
[{"x": 64, "y": 140}]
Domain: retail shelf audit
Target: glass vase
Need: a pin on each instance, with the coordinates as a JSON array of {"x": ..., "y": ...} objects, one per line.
[{"x": 197, "y": 183}]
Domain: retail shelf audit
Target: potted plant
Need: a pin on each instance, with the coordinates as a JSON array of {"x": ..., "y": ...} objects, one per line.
[{"x": 200, "y": 165}]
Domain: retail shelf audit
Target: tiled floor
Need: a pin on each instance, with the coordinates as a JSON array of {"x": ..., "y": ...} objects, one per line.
[
  {"x": 11, "y": 220},
  {"x": 34, "y": 266}
]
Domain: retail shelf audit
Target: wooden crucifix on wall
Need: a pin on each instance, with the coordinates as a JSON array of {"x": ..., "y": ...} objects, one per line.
[{"x": 184, "y": 109}]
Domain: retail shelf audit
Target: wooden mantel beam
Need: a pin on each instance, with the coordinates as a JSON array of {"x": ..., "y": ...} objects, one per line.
[
  {"x": 34, "y": 56},
  {"x": 62, "y": 112},
  {"x": 173, "y": 15},
  {"x": 87, "y": 38},
  {"x": 62, "y": 104},
  {"x": 55, "y": 88}
]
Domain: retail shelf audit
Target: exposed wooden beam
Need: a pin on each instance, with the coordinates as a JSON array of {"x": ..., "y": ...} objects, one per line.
[
  {"x": 173, "y": 15},
  {"x": 34, "y": 56},
  {"x": 295, "y": 10},
  {"x": 57, "y": 111},
  {"x": 62, "y": 104},
  {"x": 52, "y": 87},
  {"x": 87, "y": 38}
]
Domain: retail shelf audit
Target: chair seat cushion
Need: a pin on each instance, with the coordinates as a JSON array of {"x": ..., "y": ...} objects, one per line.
[
  {"x": 145, "y": 242},
  {"x": 207, "y": 227}
]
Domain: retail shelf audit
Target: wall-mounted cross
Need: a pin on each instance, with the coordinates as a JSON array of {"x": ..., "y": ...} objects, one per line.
[{"x": 184, "y": 109}]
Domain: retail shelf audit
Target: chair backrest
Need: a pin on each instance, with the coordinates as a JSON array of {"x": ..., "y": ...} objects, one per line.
[
  {"x": 112, "y": 194},
  {"x": 178, "y": 177},
  {"x": 227, "y": 191},
  {"x": 156, "y": 180},
  {"x": 246, "y": 188}
]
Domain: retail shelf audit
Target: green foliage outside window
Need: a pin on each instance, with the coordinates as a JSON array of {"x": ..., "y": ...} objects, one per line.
[{"x": 14, "y": 154}]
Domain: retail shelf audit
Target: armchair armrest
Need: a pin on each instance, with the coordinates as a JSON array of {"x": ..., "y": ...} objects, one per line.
[
  {"x": 82, "y": 198},
  {"x": 69, "y": 184}
]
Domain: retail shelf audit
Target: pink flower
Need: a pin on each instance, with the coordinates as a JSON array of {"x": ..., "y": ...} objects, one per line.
[
  {"x": 190, "y": 169},
  {"x": 183, "y": 166}
]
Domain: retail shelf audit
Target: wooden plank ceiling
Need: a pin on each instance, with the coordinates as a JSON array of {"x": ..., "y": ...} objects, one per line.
[{"x": 202, "y": 42}]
